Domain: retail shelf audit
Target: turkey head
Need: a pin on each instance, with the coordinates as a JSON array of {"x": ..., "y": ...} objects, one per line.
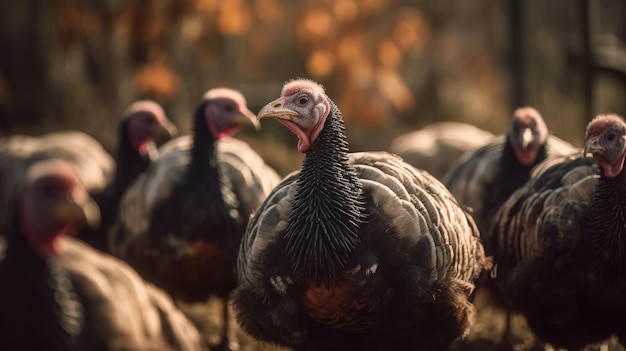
[
  {"x": 145, "y": 121},
  {"x": 527, "y": 134},
  {"x": 606, "y": 142},
  {"x": 54, "y": 203}
]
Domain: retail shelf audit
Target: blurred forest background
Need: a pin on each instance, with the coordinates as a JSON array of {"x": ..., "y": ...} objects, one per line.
[{"x": 391, "y": 65}]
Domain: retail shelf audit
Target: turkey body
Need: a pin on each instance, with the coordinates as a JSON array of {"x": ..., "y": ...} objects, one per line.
[
  {"x": 354, "y": 251},
  {"x": 181, "y": 222},
  {"x": 86, "y": 300},
  {"x": 195, "y": 266},
  {"x": 436, "y": 146},
  {"x": 60, "y": 294},
  {"x": 484, "y": 178},
  {"x": 143, "y": 124},
  {"x": 559, "y": 243}
]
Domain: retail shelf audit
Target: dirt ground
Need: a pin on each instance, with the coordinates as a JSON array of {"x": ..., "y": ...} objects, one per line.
[{"x": 485, "y": 335}]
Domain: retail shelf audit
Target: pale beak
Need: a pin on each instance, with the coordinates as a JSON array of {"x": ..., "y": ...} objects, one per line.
[
  {"x": 276, "y": 110},
  {"x": 164, "y": 131},
  {"x": 527, "y": 138},
  {"x": 592, "y": 146},
  {"x": 87, "y": 213},
  {"x": 247, "y": 117}
]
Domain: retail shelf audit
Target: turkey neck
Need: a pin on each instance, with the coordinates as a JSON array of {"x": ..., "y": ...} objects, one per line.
[
  {"x": 37, "y": 297},
  {"x": 605, "y": 223},
  {"x": 130, "y": 162},
  {"x": 204, "y": 175},
  {"x": 511, "y": 174},
  {"x": 322, "y": 230}
]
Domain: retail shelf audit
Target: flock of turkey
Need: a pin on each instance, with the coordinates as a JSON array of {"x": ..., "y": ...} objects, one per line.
[{"x": 354, "y": 251}]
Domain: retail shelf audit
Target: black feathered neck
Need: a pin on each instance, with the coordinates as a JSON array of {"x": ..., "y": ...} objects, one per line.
[
  {"x": 36, "y": 298},
  {"x": 130, "y": 162},
  {"x": 605, "y": 224},
  {"x": 322, "y": 231},
  {"x": 206, "y": 178},
  {"x": 204, "y": 144},
  {"x": 511, "y": 174}
]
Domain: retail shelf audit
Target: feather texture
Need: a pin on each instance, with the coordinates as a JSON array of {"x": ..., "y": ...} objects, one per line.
[
  {"x": 74, "y": 297},
  {"x": 355, "y": 249},
  {"x": 436, "y": 146},
  {"x": 181, "y": 222},
  {"x": 560, "y": 241},
  {"x": 484, "y": 178}
]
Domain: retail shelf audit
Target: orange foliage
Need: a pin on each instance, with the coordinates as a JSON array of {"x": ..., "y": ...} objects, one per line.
[
  {"x": 344, "y": 38},
  {"x": 350, "y": 49},
  {"x": 345, "y": 11},
  {"x": 70, "y": 22},
  {"x": 339, "y": 39},
  {"x": 411, "y": 29},
  {"x": 317, "y": 24},
  {"x": 321, "y": 63},
  {"x": 234, "y": 18},
  {"x": 395, "y": 90},
  {"x": 207, "y": 7},
  {"x": 192, "y": 28},
  {"x": 372, "y": 7},
  {"x": 268, "y": 11},
  {"x": 389, "y": 55},
  {"x": 361, "y": 46},
  {"x": 156, "y": 80}
]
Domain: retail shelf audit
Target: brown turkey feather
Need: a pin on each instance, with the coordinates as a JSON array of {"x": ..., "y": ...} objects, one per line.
[
  {"x": 436, "y": 146},
  {"x": 561, "y": 240},
  {"x": 484, "y": 178},
  {"x": 355, "y": 249},
  {"x": 67, "y": 295},
  {"x": 180, "y": 223}
]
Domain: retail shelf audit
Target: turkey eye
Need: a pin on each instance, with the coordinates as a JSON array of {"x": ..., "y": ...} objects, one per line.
[
  {"x": 303, "y": 100},
  {"x": 610, "y": 137},
  {"x": 228, "y": 108}
]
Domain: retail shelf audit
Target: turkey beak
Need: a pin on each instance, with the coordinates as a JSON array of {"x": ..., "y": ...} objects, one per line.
[
  {"x": 275, "y": 109},
  {"x": 526, "y": 138},
  {"x": 247, "y": 117},
  {"x": 167, "y": 130},
  {"x": 170, "y": 130},
  {"x": 91, "y": 211},
  {"x": 77, "y": 209},
  {"x": 592, "y": 146}
]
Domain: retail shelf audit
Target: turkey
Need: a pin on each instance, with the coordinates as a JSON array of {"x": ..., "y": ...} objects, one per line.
[
  {"x": 94, "y": 164},
  {"x": 143, "y": 123},
  {"x": 484, "y": 178},
  {"x": 180, "y": 223},
  {"x": 436, "y": 146},
  {"x": 58, "y": 293},
  {"x": 356, "y": 251},
  {"x": 560, "y": 242}
]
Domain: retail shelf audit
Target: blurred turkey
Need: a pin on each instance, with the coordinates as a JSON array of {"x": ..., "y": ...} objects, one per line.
[
  {"x": 143, "y": 123},
  {"x": 484, "y": 178},
  {"x": 560, "y": 242},
  {"x": 356, "y": 251},
  {"x": 94, "y": 164},
  {"x": 181, "y": 222},
  {"x": 59, "y": 294},
  {"x": 436, "y": 146}
]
